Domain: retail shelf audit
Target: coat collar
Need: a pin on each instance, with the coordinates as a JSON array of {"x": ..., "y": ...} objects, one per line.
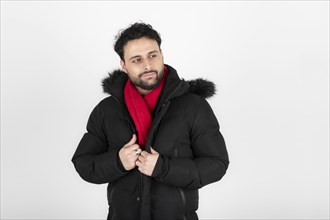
[{"x": 114, "y": 85}]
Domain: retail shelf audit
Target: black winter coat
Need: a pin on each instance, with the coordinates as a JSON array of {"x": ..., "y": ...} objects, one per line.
[{"x": 184, "y": 131}]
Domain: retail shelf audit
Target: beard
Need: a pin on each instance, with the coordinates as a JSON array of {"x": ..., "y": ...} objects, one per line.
[{"x": 145, "y": 85}]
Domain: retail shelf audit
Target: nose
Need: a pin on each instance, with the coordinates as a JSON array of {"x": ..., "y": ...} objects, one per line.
[{"x": 147, "y": 65}]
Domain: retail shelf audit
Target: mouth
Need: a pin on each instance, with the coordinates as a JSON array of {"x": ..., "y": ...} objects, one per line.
[{"x": 148, "y": 75}]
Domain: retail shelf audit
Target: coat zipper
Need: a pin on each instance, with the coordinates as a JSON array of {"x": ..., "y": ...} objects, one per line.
[{"x": 162, "y": 112}]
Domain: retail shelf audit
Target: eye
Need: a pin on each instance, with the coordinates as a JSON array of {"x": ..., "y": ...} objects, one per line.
[
  {"x": 136, "y": 60},
  {"x": 153, "y": 55}
]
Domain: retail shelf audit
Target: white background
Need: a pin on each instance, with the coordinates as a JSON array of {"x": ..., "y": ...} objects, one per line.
[{"x": 269, "y": 60}]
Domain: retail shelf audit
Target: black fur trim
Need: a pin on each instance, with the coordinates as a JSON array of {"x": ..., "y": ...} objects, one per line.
[
  {"x": 109, "y": 80},
  {"x": 197, "y": 86},
  {"x": 202, "y": 87}
]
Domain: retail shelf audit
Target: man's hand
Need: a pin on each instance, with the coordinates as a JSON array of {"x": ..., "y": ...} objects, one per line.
[
  {"x": 129, "y": 153},
  {"x": 147, "y": 162}
]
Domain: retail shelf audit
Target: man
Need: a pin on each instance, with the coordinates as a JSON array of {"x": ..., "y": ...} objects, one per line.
[{"x": 155, "y": 140}]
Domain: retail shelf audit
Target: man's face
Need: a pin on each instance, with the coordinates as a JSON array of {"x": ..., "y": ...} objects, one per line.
[{"x": 143, "y": 63}]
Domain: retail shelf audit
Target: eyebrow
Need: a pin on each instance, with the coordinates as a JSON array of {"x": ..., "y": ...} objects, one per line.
[{"x": 154, "y": 51}]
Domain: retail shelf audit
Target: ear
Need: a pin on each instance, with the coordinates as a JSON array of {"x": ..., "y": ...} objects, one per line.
[
  {"x": 161, "y": 53},
  {"x": 123, "y": 67}
]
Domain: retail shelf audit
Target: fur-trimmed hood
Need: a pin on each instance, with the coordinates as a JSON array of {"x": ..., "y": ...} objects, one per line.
[{"x": 199, "y": 86}]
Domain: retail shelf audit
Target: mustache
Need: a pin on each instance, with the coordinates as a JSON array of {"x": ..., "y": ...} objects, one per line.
[{"x": 150, "y": 71}]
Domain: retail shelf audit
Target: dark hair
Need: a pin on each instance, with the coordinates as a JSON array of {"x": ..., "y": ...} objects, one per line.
[{"x": 133, "y": 32}]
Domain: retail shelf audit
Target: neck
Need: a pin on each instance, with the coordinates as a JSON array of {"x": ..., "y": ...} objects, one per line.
[{"x": 142, "y": 91}]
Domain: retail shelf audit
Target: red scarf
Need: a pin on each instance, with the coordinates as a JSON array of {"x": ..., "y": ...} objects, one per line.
[{"x": 141, "y": 108}]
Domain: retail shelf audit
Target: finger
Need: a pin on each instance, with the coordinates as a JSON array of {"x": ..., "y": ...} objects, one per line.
[
  {"x": 144, "y": 153},
  {"x": 132, "y": 141},
  {"x": 137, "y": 151},
  {"x": 153, "y": 151},
  {"x": 129, "y": 149},
  {"x": 132, "y": 147},
  {"x": 141, "y": 159},
  {"x": 138, "y": 163}
]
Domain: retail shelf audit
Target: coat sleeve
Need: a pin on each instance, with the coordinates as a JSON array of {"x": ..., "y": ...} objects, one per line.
[
  {"x": 210, "y": 160},
  {"x": 94, "y": 160}
]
